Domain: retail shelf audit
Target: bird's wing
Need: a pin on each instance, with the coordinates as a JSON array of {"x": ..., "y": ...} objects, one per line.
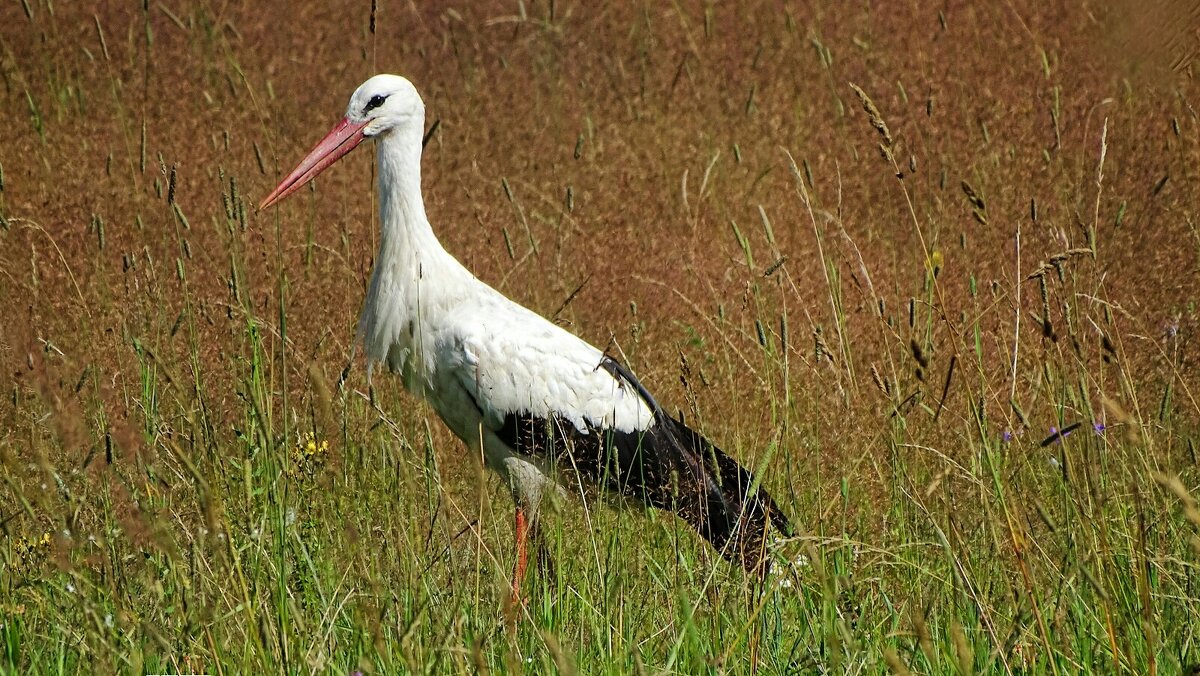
[
  {"x": 546, "y": 393},
  {"x": 522, "y": 365}
]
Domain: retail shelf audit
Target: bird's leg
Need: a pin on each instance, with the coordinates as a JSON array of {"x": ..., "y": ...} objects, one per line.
[
  {"x": 521, "y": 530},
  {"x": 528, "y": 534}
]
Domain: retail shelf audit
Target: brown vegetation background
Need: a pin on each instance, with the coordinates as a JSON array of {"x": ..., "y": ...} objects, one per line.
[{"x": 627, "y": 107}]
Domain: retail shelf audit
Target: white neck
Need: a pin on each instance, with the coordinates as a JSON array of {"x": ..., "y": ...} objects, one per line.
[
  {"x": 414, "y": 278},
  {"x": 401, "y": 209}
]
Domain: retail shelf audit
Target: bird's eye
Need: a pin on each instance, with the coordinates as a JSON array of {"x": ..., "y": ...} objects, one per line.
[{"x": 375, "y": 102}]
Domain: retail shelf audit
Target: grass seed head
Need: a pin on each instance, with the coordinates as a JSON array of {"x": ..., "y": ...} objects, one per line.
[{"x": 876, "y": 119}]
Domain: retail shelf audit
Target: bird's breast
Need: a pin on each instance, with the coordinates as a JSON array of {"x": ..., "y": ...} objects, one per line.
[{"x": 389, "y": 325}]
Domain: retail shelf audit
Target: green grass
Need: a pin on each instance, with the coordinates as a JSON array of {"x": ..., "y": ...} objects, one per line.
[{"x": 883, "y": 299}]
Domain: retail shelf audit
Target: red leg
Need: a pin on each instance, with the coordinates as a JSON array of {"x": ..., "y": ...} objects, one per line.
[{"x": 521, "y": 531}]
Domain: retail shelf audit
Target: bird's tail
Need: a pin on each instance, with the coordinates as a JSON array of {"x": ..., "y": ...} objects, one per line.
[
  {"x": 713, "y": 493},
  {"x": 729, "y": 510}
]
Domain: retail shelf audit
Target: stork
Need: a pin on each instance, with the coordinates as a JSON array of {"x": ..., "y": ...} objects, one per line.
[{"x": 539, "y": 403}]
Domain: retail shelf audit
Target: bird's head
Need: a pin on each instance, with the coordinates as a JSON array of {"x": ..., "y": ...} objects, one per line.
[
  {"x": 380, "y": 106},
  {"x": 385, "y": 103}
]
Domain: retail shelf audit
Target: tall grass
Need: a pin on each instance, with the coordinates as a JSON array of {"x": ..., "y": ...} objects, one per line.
[{"x": 947, "y": 312}]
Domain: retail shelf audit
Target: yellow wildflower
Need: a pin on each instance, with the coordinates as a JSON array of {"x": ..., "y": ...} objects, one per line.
[
  {"x": 31, "y": 553},
  {"x": 308, "y": 455}
]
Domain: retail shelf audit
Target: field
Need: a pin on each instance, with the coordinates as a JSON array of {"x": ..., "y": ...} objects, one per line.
[{"x": 931, "y": 268}]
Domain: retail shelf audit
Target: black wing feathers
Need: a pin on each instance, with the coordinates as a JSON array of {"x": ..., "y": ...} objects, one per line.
[
  {"x": 668, "y": 466},
  {"x": 735, "y": 481}
]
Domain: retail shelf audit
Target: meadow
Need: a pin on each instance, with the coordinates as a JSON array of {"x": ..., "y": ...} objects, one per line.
[{"x": 932, "y": 268}]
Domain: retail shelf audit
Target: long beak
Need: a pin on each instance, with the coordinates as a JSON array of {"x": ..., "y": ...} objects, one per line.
[{"x": 343, "y": 138}]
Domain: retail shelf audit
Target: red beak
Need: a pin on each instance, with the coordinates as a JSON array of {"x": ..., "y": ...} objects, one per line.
[{"x": 343, "y": 138}]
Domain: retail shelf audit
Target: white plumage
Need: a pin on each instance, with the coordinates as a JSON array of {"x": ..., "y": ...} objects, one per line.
[{"x": 536, "y": 396}]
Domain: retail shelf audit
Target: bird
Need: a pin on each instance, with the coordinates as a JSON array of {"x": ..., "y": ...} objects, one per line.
[{"x": 538, "y": 403}]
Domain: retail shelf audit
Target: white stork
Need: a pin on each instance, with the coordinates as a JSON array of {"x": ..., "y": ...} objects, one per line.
[{"x": 541, "y": 402}]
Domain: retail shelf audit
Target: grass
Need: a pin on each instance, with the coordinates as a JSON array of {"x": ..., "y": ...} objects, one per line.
[{"x": 948, "y": 312}]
